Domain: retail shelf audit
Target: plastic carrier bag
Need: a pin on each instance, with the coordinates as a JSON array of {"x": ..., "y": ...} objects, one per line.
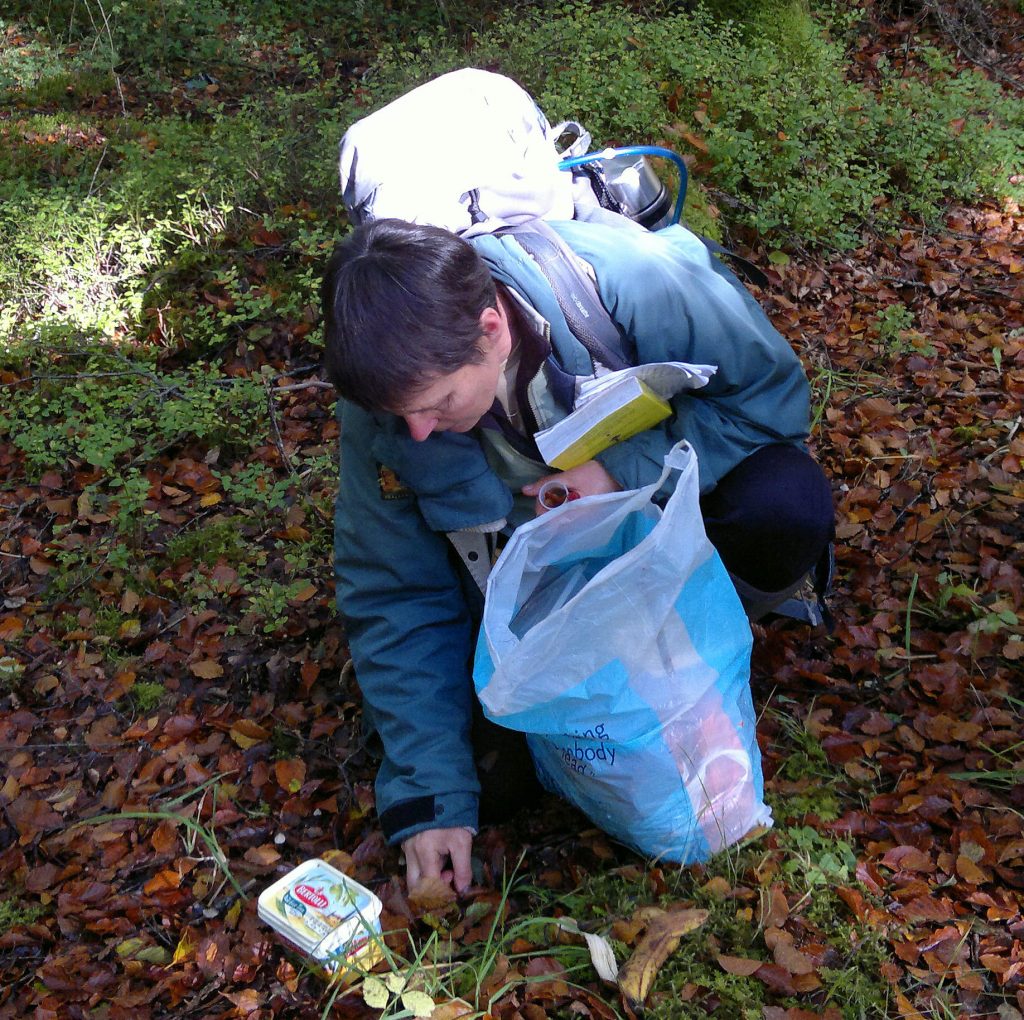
[{"x": 613, "y": 637}]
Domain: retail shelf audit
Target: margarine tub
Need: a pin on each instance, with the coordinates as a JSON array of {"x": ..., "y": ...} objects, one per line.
[{"x": 326, "y": 914}]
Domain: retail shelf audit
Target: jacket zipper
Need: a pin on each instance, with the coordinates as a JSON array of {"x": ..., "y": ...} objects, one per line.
[{"x": 533, "y": 424}]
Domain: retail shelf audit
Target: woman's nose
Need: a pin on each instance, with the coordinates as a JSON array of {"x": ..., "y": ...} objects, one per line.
[{"x": 421, "y": 425}]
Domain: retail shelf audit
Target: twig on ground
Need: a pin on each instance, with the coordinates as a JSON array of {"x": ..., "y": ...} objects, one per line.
[
  {"x": 278, "y": 440},
  {"x": 311, "y": 384}
]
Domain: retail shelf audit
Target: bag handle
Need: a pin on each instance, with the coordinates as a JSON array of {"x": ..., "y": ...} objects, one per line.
[{"x": 680, "y": 457}]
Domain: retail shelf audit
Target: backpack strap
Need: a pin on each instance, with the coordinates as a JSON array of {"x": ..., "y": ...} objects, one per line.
[
  {"x": 744, "y": 267},
  {"x": 575, "y": 292}
]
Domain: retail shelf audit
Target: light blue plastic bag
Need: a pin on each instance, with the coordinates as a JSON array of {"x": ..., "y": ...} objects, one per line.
[{"x": 613, "y": 637}]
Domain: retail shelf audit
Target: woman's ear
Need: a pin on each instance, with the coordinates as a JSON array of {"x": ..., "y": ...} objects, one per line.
[
  {"x": 491, "y": 322},
  {"x": 494, "y": 331}
]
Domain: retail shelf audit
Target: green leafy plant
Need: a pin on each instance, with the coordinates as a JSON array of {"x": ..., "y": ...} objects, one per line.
[
  {"x": 804, "y": 759},
  {"x": 88, "y": 403},
  {"x": 435, "y": 971},
  {"x": 961, "y": 603},
  {"x": 817, "y": 861},
  {"x": 892, "y": 323},
  {"x": 146, "y": 695},
  {"x": 253, "y": 485},
  {"x": 808, "y": 863},
  {"x": 209, "y": 542},
  {"x": 766, "y": 107}
]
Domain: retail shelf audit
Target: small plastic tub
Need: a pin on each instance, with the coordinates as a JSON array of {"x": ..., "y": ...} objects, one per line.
[{"x": 330, "y": 917}]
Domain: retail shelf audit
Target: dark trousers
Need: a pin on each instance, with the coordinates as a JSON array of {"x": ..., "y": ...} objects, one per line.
[{"x": 771, "y": 517}]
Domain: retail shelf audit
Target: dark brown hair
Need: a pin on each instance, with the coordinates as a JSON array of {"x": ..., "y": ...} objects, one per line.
[{"x": 402, "y": 305}]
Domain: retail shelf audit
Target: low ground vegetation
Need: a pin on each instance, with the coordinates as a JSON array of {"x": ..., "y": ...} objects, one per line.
[{"x": 170, "y": 661}]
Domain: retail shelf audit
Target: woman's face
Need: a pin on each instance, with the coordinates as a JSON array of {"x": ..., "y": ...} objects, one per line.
[{"x": 457, "y": 401}]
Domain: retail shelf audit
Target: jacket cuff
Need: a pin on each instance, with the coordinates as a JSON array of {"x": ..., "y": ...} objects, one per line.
[{"x": 439, "y": 811}]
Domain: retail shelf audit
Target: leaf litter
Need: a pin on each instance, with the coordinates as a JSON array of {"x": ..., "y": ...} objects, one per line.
[{"x": 892, "y": 747}]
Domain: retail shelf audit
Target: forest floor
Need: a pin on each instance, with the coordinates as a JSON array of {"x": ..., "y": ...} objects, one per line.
[{"x": 165, "y": 758}]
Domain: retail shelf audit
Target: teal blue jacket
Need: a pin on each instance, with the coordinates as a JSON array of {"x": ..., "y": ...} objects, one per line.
[{"x": 410, "y": 610}]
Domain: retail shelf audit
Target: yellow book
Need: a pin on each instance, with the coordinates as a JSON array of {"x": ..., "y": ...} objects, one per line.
[{"x": 618, "y": 411}]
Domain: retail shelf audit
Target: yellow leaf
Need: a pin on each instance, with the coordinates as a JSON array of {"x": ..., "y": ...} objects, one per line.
[
  {"x": 129, "y": 629},
  {"x": 418, "y": 1003},
  {"x": 658, "y": 944},
  {"x": 907, "y": 1010},
  {"x": 247, "y": 733},
  {"x": 233, "y": 914},
  {"x": 340, "y": 859},
  {"x": 210, "y": 499},
  {"x": 375, "y": 993},
  {"x": 185, "y": 949},
  {"x": 154, "y": 954}
]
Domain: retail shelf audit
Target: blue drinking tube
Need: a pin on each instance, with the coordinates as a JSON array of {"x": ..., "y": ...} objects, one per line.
[{"x": 637, "y": 150}]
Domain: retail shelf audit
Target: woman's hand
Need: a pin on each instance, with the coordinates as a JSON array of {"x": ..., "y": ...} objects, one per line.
[
  {"x": 428, "y": 853},
  {"x": 588, "y": 479}
]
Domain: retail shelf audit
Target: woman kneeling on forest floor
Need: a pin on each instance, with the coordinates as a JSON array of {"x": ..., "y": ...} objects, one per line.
[{"x": 449, "y": 356}]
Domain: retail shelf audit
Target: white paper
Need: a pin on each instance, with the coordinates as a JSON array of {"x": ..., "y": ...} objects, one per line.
[{"x": 666, "y": 378}]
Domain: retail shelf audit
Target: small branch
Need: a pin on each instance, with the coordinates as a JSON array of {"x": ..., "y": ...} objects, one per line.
[
  {"x": 900, "y": 281},
  {"x": 43, "y": 747},
  {"x": 298, "y": 370},
  {"x": 976, "y": 393},
  {"x": 92, "y": 183},
  {"x": 80, "y": 375},
  {"x": 311, "y": 384},
  {"x": 278, "y": 441}
]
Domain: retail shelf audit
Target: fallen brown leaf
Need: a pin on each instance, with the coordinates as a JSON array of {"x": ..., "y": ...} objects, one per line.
[
  {"x": 247, "y": 733},
  {"x": 452, "y": 1010},
  {"x": 431, "y": 894},
  {"x": 263, "y": 856},
  {"x": 786, "y": 954},
  {"x": 774, "y": 908},
  {"x": 742, "y": 966},
  {"x": 290, "y": 774},
  {"x": 207, "y": 669}
]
